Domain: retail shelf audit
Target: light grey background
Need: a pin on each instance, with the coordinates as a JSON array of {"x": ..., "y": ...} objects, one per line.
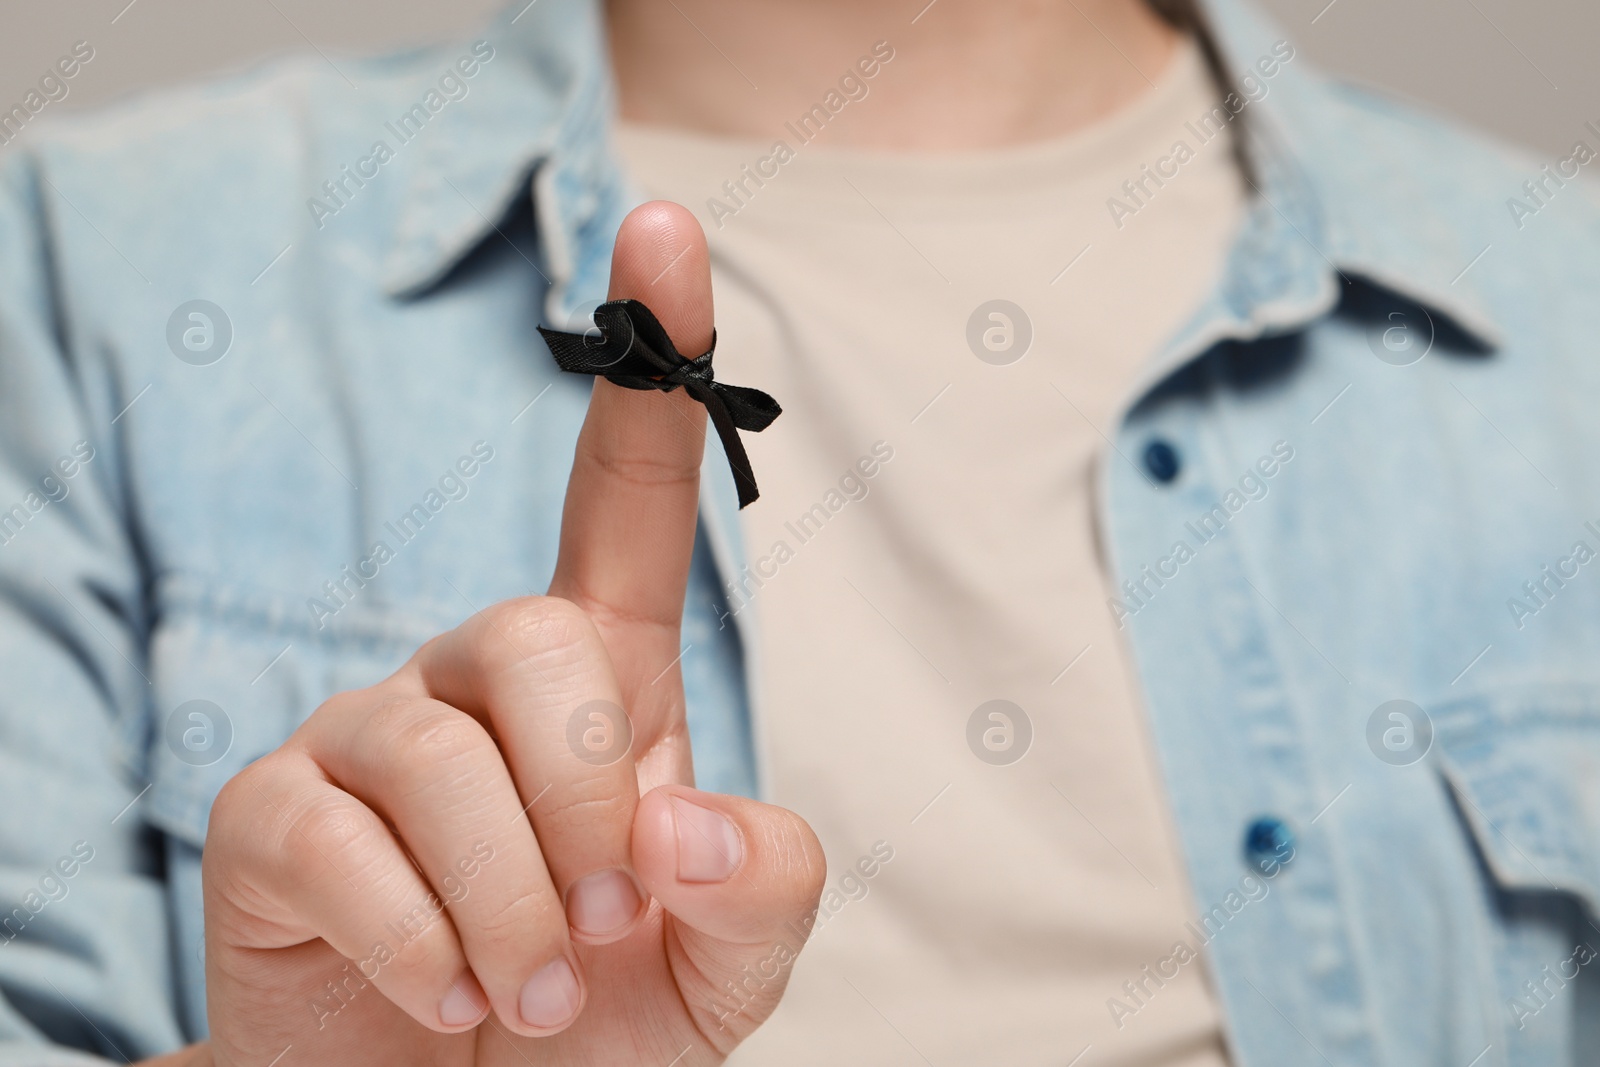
[{"x": 1524, "y": 69}]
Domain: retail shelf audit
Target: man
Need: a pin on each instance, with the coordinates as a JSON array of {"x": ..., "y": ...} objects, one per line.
[{"x": 1133, "y": 374}]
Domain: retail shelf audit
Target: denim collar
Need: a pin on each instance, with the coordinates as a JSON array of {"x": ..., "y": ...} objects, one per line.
[
  {"x": 1326, "y": 204},
  {"x": 542, "y": 114}
]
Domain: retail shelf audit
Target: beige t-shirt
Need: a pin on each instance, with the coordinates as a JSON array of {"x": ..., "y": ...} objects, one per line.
[{"x": 925, "y": 544}]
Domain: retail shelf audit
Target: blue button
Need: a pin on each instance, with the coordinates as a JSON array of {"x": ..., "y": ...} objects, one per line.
[
  {"x": 1162, "y": 461},
  {"x": 1269, "y": 844}
]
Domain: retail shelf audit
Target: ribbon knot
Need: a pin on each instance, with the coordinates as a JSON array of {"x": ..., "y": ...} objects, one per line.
[
  {"x": 695, "y": 370},
  {"x": 634, "y": 351}
]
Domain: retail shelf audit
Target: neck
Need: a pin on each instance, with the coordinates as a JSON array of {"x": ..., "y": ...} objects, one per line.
[{"x": 965, "y": 75}]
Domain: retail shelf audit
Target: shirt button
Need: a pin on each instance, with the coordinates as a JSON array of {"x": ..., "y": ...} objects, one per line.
[
  {"x": 1269, "y": 844},
  {"x": 1162, "y": 461}
]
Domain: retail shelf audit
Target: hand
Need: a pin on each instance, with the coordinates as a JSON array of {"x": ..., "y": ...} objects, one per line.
[{"x": 428, "y": 872}]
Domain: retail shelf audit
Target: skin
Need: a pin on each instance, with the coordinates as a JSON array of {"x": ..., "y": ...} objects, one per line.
[
  {"x": 965, "y": 76},
  {"x": 462, "y": 755},
  {"x": 463, "y": 752}
]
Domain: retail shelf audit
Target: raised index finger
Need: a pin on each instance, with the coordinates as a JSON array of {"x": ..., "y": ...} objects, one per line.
[{"x": 627, "y": 531}]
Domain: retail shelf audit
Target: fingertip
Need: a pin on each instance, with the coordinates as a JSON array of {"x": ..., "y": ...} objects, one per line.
[
  {"x": 686, "y": 840},
  {"x": 553, "y": 997},
  {"x": 751, "y": 914},
  {"x": 655, "y": 852},
  {"x": 464, "y": 1005},
  {"x": 654, "y": 237},
  {"x": 728, "y": 866},
  {"x": 661, "y": 260},
  {"x": 605, "y": 907}
]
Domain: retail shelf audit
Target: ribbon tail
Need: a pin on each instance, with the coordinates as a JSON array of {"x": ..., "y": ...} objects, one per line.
[
  {"x": 744, "y": 478},
  {"x": 751, "y": 409}
]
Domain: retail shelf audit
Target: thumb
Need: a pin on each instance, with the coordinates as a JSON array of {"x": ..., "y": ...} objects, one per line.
[{"x": 740, "y": 881}]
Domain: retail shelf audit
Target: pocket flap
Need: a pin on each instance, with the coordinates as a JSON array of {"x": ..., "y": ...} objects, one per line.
[{"x": 1525, "y": 767}]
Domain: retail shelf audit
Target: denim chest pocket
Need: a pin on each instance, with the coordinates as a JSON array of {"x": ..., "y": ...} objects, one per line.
[
  {"x": 1525, "y": 767},
  {"x": 232, "y": 674}
]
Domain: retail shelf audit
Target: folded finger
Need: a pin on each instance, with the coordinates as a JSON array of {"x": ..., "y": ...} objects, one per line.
[
  {"x": 537, "y": 672},
  {"x": 318, "y": 854},
  {"x": 434, "y": 773}
]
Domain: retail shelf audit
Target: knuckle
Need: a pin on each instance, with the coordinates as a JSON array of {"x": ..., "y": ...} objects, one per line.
[
  {"x": 548, "y": 622},
  {"x": 331, "y": 825},
  {"x": 540, "y": 627},
  {"x": 641, "y": 469},
  {"x": 242, "y": 809},
  {"x": 227, "y": 810},
  {"x": 531, "y": 922},
  {"x": 420, "y": 738},
  {"x": 351, "y": 702},
  {"x": 594, "y": 802}
]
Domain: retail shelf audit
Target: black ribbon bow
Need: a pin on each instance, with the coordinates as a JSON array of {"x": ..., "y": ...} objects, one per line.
[{"x": 634, "y": 351}]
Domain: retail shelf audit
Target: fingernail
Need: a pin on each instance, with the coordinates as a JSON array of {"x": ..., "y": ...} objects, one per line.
[
  {"x": 709, "y": 849},
  {"x": 551, "y": 996},
  {"x": 465, "y": 1003},
  {"x": 602, "y": 903}
]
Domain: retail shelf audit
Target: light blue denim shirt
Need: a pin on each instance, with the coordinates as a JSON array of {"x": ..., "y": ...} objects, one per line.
[{"x": 1374, "y": 479}]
